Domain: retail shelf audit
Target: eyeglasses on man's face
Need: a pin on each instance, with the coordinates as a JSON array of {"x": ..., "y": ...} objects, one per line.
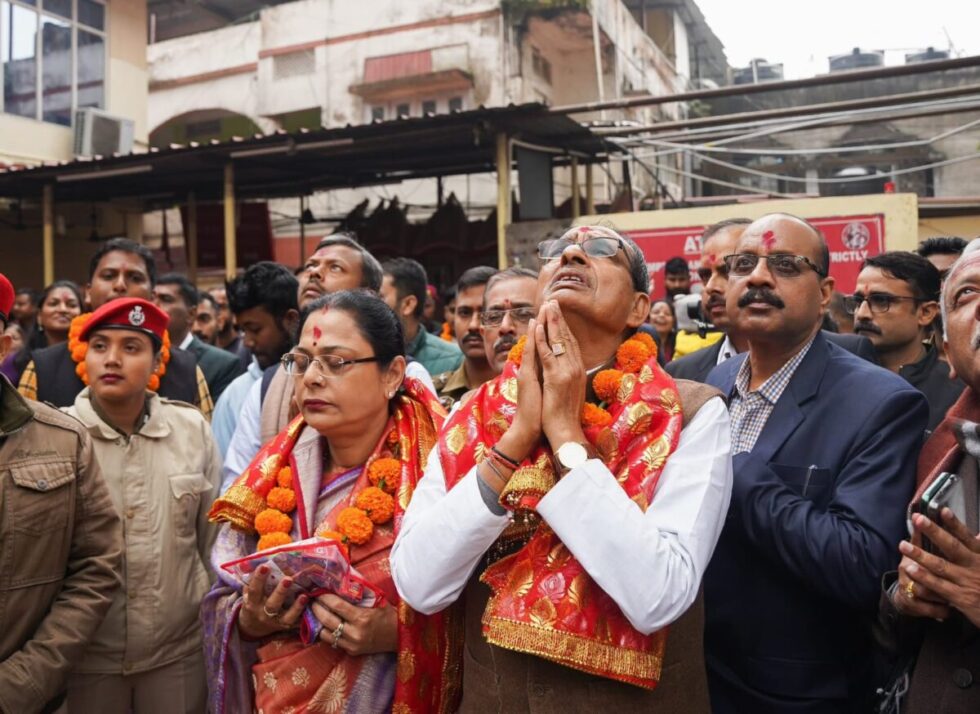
[
  {"x": 594, "y": 246},
  {"x": 877, "y": 302},
  {"x": 781, "y": 265},
  {"x": 495, "y": 318},
  {"x": 296, "y": 363}
]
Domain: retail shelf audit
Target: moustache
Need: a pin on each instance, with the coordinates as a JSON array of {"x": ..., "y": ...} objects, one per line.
[
  {"x": 473, "y": 337},
  {"x": 504, "y": 342},
  {"x": 761, "y": 295},
  {"x": 865, "y": 326},
  {"x": 716, "y": 301}
]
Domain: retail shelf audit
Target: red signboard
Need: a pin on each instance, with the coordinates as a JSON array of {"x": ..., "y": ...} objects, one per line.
[{"x": 851, "y": 239}]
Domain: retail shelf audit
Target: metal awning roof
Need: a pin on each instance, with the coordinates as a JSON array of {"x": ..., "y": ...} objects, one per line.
[{"x": 284, "y": 164}]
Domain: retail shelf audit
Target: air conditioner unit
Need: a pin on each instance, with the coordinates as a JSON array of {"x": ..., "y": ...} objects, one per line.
[{"x": 101, "y": 134}]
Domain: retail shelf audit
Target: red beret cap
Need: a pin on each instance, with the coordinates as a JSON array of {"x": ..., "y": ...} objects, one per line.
[
  {"x": 128, "y": 314},
  {"x": 6, "y": 297}
]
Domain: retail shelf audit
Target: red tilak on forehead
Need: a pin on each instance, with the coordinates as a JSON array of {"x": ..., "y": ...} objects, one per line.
[
  {"x": 583, "y": 230},
  {"x": 768, "y": 238},
  {"x": 710, "y": 260},
  {"x": 317, "y": 333}
]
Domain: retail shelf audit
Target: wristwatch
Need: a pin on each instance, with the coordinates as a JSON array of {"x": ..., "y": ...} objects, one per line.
[{"x": 570, "y": 455}]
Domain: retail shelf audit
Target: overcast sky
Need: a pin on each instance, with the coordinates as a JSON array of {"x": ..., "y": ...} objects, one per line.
[{"x": 802, "y": 35}]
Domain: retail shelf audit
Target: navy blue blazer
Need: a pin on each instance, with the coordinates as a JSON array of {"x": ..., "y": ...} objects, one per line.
[{"x": 817, "y": 512}]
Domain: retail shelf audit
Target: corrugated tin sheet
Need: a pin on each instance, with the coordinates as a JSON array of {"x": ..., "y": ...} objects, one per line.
[{"x": 291, "y": 164}]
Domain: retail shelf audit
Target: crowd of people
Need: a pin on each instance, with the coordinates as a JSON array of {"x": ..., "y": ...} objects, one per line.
[{"x": 567, "y": 491}]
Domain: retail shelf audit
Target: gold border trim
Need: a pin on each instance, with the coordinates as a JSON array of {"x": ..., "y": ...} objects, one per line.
[{"x": 578, "y": 652}]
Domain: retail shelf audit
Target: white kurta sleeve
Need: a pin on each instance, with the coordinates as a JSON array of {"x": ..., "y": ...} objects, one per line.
[
  {"x": 442, "y": 538},
  {"x": 246, "y": 441},
  {"x": 650, "y": 563}
]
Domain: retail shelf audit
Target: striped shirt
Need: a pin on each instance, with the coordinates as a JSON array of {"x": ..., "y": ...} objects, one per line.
[{"x": 750, "y": 410}]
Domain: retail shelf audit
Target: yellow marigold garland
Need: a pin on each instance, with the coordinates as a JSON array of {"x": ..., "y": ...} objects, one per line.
[{"x": 79, "y": 350}]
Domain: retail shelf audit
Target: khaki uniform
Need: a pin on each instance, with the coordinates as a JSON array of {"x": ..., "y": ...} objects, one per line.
[
  {"x": 162, "y": 479},
  {"x": 451, "y": 386},
  {"x": 60, "y": 549}
]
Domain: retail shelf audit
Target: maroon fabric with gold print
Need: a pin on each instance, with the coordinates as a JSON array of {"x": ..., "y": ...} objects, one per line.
[{"x": 543, "y": 602}]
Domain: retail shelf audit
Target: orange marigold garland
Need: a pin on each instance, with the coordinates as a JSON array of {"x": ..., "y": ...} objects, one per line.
[
  {"x": 355, "y": 525},
  {"x": 274, "y": 539},
  {"x": 272, "y": 520},
  {"x": 632, "y": 355},
  {"x": 384, "y": 473},
  {"x": 78, "y": 350},
  {"x": 606, "y": 384},
  {"x": 374, "y": 505},
  {"x": 339, "y": 537},
  {"x": 630, "y": 358},
  {"x": 593, "y": 415},
  {"x": 517, "y": 351},
  {"x": 646, "y": 339},
  {"x": 378, "y": 505},
  {"x": 274, "y": 524},
  {"x": 281, "y": 499}
]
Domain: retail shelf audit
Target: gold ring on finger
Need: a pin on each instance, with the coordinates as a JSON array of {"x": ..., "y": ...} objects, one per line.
[
  {"x": 337, "y": 634},
  {"x": 910, "y": 590},
  {"x": 558, "y": 348}
]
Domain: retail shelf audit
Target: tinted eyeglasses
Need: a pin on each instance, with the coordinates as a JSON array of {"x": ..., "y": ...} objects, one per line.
[
  {"x": 594, "y": 246},
  {"x": 494, "y": 318},
  {"x": 877, "y": 302},
  {"x": 781, "y": 265},
  {"x": 296, "y": 363}
]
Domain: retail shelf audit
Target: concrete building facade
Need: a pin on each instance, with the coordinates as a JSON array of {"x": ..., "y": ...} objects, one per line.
[
  {"x": 332, "y": 62},
  {"x": 60, "y": 56}
]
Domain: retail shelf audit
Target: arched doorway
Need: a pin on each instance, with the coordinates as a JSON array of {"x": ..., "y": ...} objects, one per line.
[{"x": 203, "y": 125}]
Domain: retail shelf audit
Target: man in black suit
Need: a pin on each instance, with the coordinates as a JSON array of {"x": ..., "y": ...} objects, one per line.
[
  {"x": 717, "y": 241},
  {"x": 119, "y": 268},
  {"x": 175, "y": 295}
]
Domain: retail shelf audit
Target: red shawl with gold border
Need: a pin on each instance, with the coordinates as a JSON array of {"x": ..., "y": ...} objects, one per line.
[
  {"x": 427, "y": 676},
  {"x": 543, "y": 601}
]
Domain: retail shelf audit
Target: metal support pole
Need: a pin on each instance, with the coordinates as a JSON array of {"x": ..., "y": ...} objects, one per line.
[
  {"x": 231, "y": 256},
  {"x": 48, "y": 234},
  {"x": 302, "y": 229},
  {"x": 575, "y": 207},
  {"x": 589, "y": 192},
  {"x": 628, "y": 184},
  {"x": 503, "y": 198},
  {"x": 597, "y": 51},
  {"x": 190, "y": 237}
]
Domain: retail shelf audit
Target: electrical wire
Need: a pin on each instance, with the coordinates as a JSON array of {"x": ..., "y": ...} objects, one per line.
[
  {"x": 841, "y": 179},
  {"x": 718, "y": 182},
  {"x": 815, "y": 151},
  {"x": 767, "y": 127}
]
